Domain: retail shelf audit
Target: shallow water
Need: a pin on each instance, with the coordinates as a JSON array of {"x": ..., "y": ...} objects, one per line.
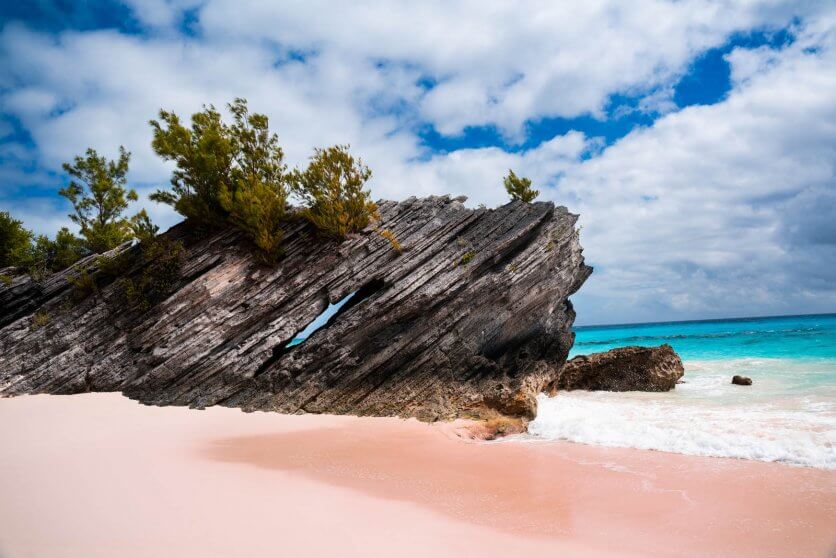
[{"x": 788, "y": 415}]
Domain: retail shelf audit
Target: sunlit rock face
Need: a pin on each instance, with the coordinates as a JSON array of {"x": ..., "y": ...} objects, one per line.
[{"x": 470, "y": 319}]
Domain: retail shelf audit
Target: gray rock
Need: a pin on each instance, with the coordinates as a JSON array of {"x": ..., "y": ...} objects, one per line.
[{"x": 428, "y": 334}]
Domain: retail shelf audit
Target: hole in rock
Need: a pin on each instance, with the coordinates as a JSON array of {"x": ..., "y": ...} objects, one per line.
[{"x": 330, "y": 315}]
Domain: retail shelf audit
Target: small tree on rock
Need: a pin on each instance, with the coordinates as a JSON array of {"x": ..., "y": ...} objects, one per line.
[
  {"x": 204, "y": 155},
  {"x": 256, "y": 200},
  {"x": 226, "y": 173},
  {"x": 519, "y": 188},
  {"x": 55, "y": 255},
  {"x": 15, "y": 242},
  {"x": 142, "y": 227},
  {"x": 100, "y": 198},
  {"x": 332, "y": 191}
]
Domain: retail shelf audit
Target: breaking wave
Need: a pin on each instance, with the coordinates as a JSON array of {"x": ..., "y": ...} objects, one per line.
[{"x": 789, "y": 416}]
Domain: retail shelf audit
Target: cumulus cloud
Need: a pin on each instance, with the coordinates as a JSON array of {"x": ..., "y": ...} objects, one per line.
[
  {"x": 722, "y": 208},
  {"x": 503, "y": 63},
  {"x": 712, "y": 210}
]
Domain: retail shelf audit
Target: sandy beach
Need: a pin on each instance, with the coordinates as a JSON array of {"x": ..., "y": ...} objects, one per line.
[{"x": 100, "y": 475}]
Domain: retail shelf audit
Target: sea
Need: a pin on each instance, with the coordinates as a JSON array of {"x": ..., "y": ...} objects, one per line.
[{"x": 788, "y": 415}]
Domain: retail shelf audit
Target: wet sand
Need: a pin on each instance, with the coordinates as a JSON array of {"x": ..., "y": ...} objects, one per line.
[{"x": 100, "y": 475}]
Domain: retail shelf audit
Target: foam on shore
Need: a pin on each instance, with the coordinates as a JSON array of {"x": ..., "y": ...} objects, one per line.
[{"x": 788, "y": 416}]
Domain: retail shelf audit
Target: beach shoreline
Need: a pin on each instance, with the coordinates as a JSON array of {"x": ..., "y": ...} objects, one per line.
[{"x": 100, "y": 475}]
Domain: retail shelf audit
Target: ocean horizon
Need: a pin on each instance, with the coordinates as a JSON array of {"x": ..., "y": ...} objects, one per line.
[{"x": 702, "y": 320}]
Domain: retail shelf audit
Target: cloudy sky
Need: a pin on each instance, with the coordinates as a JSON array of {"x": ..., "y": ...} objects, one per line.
[{"x": 696, "y": 139}]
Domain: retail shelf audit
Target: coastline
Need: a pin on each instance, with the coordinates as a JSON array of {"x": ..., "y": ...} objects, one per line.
[{"x": 100, "y": 475}]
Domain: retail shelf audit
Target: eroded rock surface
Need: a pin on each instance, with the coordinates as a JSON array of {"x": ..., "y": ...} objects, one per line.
[
  {"x": 425, "y": 334},
  {"x": 622, "y": 369}
]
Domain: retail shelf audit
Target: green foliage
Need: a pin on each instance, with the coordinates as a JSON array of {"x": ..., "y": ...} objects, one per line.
[
  {"x": 113, "y": 266},
  {"x": 258, "y": 209},
  {"x": 15, "y": 242},
  {"x": 6, "y": 279},
  {"x": 41, "y": 319},
  {"x": 331, "y": 189},
  {"x": 226, "y": 173},
  {"x": 204, "y": 155},
  {"x": 257, "y": 201},
  {"x": 84, "y": 285},
  {"x": 163, "y": 260},
  {"x": 99, "y": 198},
  {"x": 467, "y": 257},
  {"x": 54, "y": 255},
  {"x": 519, "y": 188},
  {"x": 142, "y": 227},
  {"x": 39, "y": 256}
]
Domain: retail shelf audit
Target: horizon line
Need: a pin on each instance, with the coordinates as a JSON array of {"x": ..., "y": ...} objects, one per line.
[{"x": 706, "y": 320}]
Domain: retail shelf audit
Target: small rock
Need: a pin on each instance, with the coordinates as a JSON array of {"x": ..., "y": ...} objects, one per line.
[{"x": 741, "y": 381}]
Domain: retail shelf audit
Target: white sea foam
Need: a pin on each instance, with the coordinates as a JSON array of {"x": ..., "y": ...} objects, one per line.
[{"x": 781, "y": 418}]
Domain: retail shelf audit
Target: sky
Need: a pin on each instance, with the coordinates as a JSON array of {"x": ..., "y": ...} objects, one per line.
[{"x": 695, "y": 139}]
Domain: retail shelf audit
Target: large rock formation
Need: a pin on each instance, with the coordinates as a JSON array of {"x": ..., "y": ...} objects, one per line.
[
  {"x": 621, "y": 369},
  {"x": 472, "y": 319}
]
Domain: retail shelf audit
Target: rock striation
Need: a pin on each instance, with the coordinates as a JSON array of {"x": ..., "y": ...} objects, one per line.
[
  {"x": 621, "y": 369},
  {"x": 471, "y": 319}
]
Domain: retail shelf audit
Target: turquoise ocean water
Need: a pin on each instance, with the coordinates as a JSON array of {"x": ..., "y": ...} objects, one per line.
[{"x": 788, "y": 415}]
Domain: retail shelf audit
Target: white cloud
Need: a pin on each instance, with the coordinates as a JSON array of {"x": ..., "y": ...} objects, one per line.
[
  {"x": 725, "y": 207},
  {"x": 712, "y": 210},
  {"x": 502, "y": 63}
]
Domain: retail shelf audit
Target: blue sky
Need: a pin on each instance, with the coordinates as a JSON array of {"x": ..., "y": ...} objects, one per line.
[{"x": 694, "y": 139}]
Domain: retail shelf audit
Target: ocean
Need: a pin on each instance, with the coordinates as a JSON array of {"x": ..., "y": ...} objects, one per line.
[{"x": 788, "y": 415}]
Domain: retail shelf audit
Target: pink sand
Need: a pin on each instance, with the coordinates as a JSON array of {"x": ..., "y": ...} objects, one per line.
[{"x": 99, "y": 475}]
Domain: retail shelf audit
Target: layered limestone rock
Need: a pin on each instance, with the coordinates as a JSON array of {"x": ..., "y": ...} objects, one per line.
[
  {"x": 471, "y": 319},
  {"x": 622, "y": 369}
]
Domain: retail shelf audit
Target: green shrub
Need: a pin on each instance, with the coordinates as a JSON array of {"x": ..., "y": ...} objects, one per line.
[
  {"x": 331, "y": 189},
  {"x": 258, "y": 209},
  {"x": 6, "y": 279},
  {"x": 204, "y": 155},
  {"x": 41, "y": 319},
  {"x": 142, "y": 227},
  {"x": 15, "y": 242},
  {"x": 163, "y": 261},
  {"x": 257, "y": 202},
  {"x": 99, "y": 198},
  {"x": 226, "y": 173},
  {"x": 54, "y": 255},
  {"x": 84, "y": 285},
  {"x": 38, "y": 256},
  {"x": 113, "y": 266},
  {"x": 519, "y": 188},
  {"x": 467, "y": 257}
]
